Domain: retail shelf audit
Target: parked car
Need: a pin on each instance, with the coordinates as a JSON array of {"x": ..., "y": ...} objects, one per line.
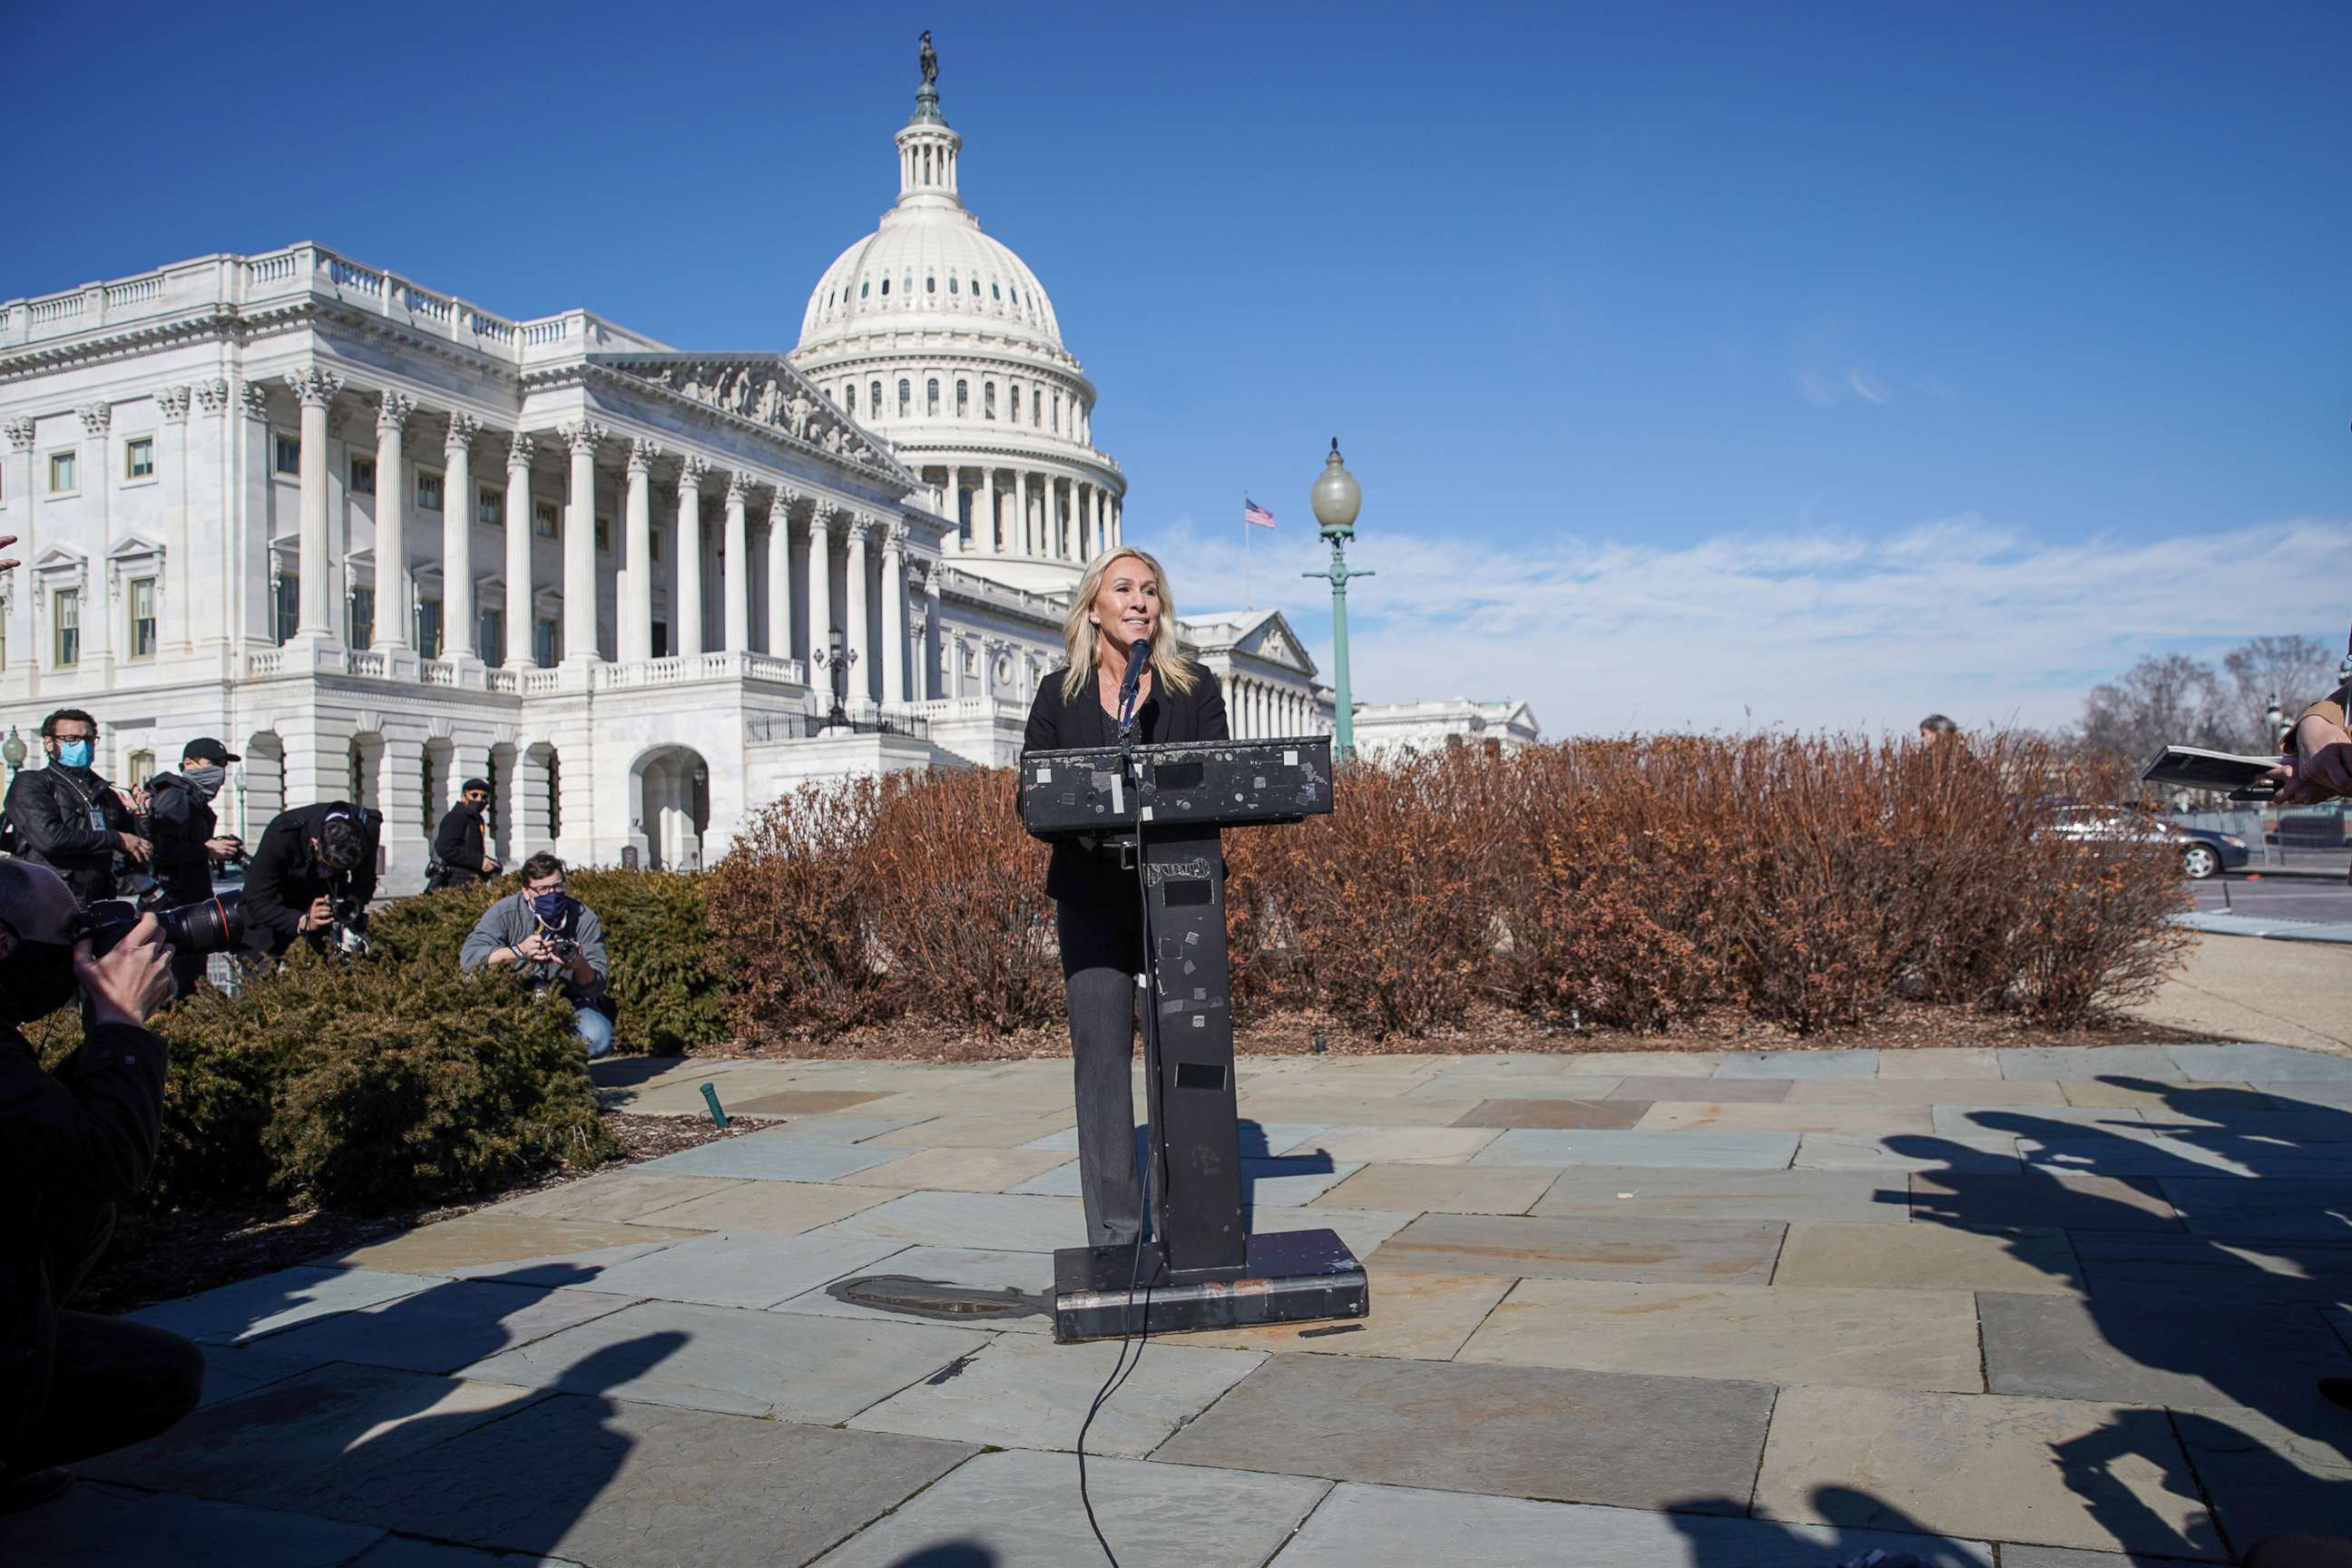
[{"x": 2203, "y": 852}]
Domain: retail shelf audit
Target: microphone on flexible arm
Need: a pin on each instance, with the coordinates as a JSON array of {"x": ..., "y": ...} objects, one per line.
[{"x": 1139, "y": 653}]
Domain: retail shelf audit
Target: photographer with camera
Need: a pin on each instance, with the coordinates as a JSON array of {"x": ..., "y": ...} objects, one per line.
[
  {"x": 73, "y": 1143},
  {"x": 461, "y": 855},
  {"x": 68, "y": 818},
  {"x": 548, "y": 936},
  {"x": 313, "y": 877}
]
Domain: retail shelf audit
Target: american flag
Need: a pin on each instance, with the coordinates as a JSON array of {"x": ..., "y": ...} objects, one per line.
[{"x": 1252, "y": 512}]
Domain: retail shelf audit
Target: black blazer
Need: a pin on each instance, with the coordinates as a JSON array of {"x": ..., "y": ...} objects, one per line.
[{"x": 1078, "y": 874}]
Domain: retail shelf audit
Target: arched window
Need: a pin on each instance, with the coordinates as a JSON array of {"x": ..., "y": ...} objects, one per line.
[
  {"x": 952, "y": 286},
  {"x": 886, "y": 288},
  {"x": 1057, "y": 414},
  {"x": 931, "y": 397},
  {"x": 1036, "y": 406},
  {"x": 931, "y": 285},
  {"x": 995, "y": 293},
  {"x": 963, "y": 400},
  {"x": 849, "y": 398},
  {"x": 874, "y": 399},
  {"x": 863, "y": 287},
  {"x": 988, "y": 400},
  {"x": 906, "y": 398}
]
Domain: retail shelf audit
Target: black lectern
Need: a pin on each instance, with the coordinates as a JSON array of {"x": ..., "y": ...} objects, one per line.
[{"x": 1162, "y": 805}]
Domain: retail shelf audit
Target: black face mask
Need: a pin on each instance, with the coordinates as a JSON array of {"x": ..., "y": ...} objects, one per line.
[
  {"x": 36, "y": 979},
  {"x": 475, "y": 806}
]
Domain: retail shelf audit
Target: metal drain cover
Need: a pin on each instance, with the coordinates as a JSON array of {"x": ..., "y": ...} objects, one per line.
[{"x": 938, "y": 1298}]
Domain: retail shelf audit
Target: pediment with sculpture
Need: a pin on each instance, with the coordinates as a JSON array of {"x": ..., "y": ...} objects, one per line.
[{"x": 764, "y": 390}]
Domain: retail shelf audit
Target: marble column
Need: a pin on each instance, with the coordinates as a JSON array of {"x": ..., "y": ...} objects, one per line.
[
  {"x": 734, "y": 571},
  {"x": 177, "y": 614},
  {"x": 894, "y": 612},
  {"x": 853, "y": 618},
  {"x": 457, "y": 629},
  {"x": 635, "y": 636},
  {"x": 18, "y": 595},
  {"x": 520, "y": 527},
  {"x": 1028, "y": 545},
  {"x": 780, "y": 571},
  {"x": 393, "y": 628},
  {"x": 687, "y": 639},
  {"x": 314, "y": 389},
  {"x": 98, "y": 482},
  {"x": 580, "y": 544},
  {"x": 820, "y": 583},
  {"x": 1117, "y": 517}
]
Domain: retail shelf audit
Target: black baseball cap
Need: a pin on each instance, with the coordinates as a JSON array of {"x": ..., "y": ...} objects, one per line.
[
  {"x": 482, "y": 784},
  {"x": 206, "y": 749}
]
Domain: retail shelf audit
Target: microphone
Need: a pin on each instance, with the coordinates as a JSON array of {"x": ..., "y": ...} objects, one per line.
[{"x": 1138, "y": 654}]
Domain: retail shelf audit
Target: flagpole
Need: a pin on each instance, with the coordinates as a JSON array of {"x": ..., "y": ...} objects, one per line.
[{"x": 1249, "y": 599}]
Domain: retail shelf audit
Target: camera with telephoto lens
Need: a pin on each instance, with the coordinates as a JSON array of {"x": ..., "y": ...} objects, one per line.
[
  {"x": 207, "y": 926},
  {"x": 347, "y": 932}
]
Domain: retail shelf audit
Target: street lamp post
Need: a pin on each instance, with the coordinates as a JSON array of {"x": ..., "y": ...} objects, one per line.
[
  {"x": 14, "y": 752},
  {"x": 840, "y": 658},
  {"x": 1336, "y": 500}
]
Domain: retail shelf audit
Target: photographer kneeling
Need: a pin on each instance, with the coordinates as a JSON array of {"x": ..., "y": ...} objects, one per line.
[
  {"x": 73, "y": 1385},
  {"x": 313, "y": 877},
  {"x": 551, "y": 937}
]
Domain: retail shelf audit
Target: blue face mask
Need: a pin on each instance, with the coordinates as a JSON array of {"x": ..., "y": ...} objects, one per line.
[
  {"x": 548, "y": 906},
  {"x": 74, "y": 753}
]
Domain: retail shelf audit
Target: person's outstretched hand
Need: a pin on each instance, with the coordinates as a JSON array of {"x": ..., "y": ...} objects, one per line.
[
  {"x": 133, "y": 980},
  {"x": 2322, "y": 766}
]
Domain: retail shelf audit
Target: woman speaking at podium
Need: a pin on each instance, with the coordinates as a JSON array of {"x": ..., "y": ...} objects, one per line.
[{"x": 1121, "y": 610}]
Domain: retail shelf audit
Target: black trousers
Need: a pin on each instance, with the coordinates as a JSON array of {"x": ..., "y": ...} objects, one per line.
[
  {"x": 1102, "y": 955},
  {"x": 112, "y": 1383}
]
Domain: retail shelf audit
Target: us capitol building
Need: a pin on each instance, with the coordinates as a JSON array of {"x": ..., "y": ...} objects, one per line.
[{"x": 380, "y": 540}]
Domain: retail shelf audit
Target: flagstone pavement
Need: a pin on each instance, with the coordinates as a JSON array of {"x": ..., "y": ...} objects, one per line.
[{"x": 2039, "y": 1309}]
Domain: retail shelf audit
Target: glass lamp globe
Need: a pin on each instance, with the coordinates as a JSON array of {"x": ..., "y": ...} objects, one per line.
[
  {"x": 12, "y": 750},
  {"x": 1335, "y": 497}
]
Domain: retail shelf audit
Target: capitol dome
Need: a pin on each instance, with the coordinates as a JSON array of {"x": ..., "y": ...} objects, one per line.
[{"x": 938, "y": 338}]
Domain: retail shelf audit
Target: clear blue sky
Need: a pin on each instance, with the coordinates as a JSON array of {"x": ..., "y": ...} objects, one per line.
[{"x": 1820, "y": 364}]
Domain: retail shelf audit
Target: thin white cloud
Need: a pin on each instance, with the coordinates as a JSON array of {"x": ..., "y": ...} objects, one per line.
[
  {"x": 1868, "y": 387},
  {"x": 1809, "y": 629}
]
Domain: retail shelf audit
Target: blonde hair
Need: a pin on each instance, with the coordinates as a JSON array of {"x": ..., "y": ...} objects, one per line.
[{"x": 1084, "y": 640}]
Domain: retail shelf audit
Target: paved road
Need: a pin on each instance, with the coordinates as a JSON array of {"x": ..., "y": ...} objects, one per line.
[{"x": 2279, "y": 898}]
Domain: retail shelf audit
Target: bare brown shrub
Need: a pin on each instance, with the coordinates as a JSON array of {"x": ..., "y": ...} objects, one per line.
[{"x": 787, "y": 914}]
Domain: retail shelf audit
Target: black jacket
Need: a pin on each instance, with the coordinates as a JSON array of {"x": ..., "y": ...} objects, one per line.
[
  {"x": 71, "y": 1143},
  {"x": 1078, "y": 874},
  {"x": 50, "y": 819},
  {"x": 181, "y": 821},
  {"x": 284, "y": 876},
  {"x": 460, "y": 845}
]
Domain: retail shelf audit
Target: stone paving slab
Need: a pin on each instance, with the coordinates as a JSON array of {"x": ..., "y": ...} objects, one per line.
[
  {"x": 2043, "y": 1198},
  {"x": 2301, "y": 1094},
  {"x": 2177, "y": 1352},
  {"x": 838, "y": 1129},
  {"x": 980, "y": 1130},
  {"x": 727, "y": 1269},
  {"x": 957, "y": 1170},
  {"x": 2088, "y": 1062},
  {"x": 2280, "y": 1064},
  {"x": 2173, "y": 1098},
  {"x": 495, "y": 1240},
  {"x": 1417, "y": 1314},
  {"x": 1939, "y": 1062},
  {"x": 251, "y": 1308},
  {"x": 1266, "y": 1184},
  {"x": 1716, "y": 1251},
  {"x": 1779, "y": 1334},
  {"x": 1004, "y": 1222},
  {"x": 2014, "y": 1556},
  {"x": 1653, "y": 1064},
  {"x": 614, "y": 1483},
  {"x": 1018, "y": 1509},
  {"x": 1927, "y": 1092},
  {"x": 1362, "y": 1229},
  {"x": 2214, "y": 1268},
  {"x": 1800, "y": 1064},
  {"x": 1639, "y": 1191},
  {"x": 765, "y": 1157},
  {"x": 2037, "y": 1120},
  {"x": 2300, "y": 1210},
  {"x": 1026, "y": 1393},
  {"x": 2267, "y": 1477},
  {"x": 1570, "y": 1436},
  {"x": 1698, "y": 1151},
  {"x": 90, "y": 1526},
  {"x": 446, "y": 1326},
  {"x": 615, "y": 1198},
  {"x": 2044, "y": 1471},
  {"x": 1452, "y": 1189},
  {"x": 1714, "y": 1090},
  {"x": 1554, "y": 1114},
  {"x": 1928, "y": 1257},
  {"x": 803, "y": 1102},
  {"x": 1991, "y": 1154},
  {"x": 408, "y": 1552},
  {"x": 773, "y": 1208},
  {"x": 728, "y": 1360},
  {"x": 232, "y": 1369},
  {"x": 1880, "y": 1120},
  {"x": 2114, "y": 1151},
  {"x": 267, "y": 1448},
  {"x": 1022, "y": 1284},
  {"x": 1361, "y": 1526},
  {"x": 1361, "y": 1146}
]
